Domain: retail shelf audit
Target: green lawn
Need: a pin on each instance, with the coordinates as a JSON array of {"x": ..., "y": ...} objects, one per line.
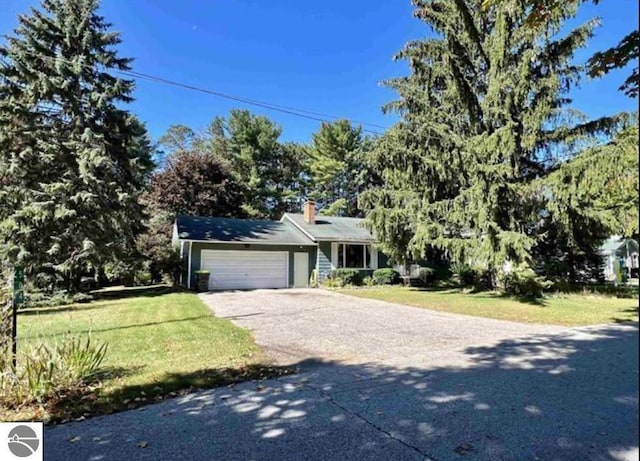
[
  {"x": 159, "y": 343},
  {"x": 569, "y": 309}
]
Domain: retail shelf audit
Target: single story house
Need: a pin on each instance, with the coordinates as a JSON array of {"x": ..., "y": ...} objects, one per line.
[
  {"x": 248, "y": 253},
  {"x": 622, "y": 251}
]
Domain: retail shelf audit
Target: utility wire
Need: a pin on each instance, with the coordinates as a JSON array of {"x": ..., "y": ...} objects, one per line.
[
  {"x": 266, "y": 105},
  {"x": 311, "y": 115}
]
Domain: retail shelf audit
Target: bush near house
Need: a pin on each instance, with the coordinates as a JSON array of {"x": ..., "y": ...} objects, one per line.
[
  {"x": 523, "y": 282},
  {"x": 386, "y": 276},
  {"x": 464, "y": 274},
  {"x": 345, "y": 277}
]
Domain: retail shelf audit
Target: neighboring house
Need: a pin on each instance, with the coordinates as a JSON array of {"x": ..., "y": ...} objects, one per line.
[
  {"x": 622, "y": 250},
  {"x": 246, "y": 253}
]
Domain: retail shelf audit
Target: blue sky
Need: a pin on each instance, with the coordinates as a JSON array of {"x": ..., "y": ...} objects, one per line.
[{"x": 327, "y": 56}]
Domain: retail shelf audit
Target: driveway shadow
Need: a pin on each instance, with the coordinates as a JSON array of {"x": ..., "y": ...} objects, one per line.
[{"x": 572, "y": 396}]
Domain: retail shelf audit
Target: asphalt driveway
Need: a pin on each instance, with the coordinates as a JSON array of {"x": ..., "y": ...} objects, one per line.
[
  {"x": 385, "y": 381},
  {"x": 294, "y": 325}
]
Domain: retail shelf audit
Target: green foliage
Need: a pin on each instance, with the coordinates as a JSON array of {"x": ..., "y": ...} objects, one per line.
[
  {"x": 601, "y": 63},
  {"x": 368, "y": 281},
  {"x": 338, "y": 168},
  {"x": 154, "y": 245},
  {"x": 272, "y": 171},
  {"x": 426, "y": 274},
  {"x": 121, "y": 271},
  {"x": 521, "y": 281},
  {"x": 143, "y": 278},
  {"x": 346, "y": 276},
  {"x": 57, "y": 298},
  {"x": 464, "y": 274},
  {"x": 329, "y": 282},
  {"x": 247, "y": 152},
  {"x": 337, "y": 208},
  {"x": 598, "y": 189},
  {"x": 386, "y": 276},
  {"x": 73, "y": 160},
  {"x": 484, "y": 120},
  {"x": 45, "y": 371}
]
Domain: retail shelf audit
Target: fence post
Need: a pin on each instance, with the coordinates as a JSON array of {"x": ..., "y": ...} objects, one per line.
[{"x": 18, "y": 298}]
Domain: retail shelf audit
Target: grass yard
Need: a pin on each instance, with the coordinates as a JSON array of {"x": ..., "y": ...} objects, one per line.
[
  {"x": 159, "y": 343},
  {"x": 569, "y": 309}
]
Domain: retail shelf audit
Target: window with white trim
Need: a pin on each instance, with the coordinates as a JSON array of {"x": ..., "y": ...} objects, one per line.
[{"x": 353, "y": 256}]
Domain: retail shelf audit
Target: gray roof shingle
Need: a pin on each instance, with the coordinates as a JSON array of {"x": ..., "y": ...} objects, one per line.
[
  {"x": 235, "y": 230},
  {"x": 333, "y": 228}
]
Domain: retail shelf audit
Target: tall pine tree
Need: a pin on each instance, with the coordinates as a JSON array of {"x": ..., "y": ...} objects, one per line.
[
  {"x": 338, "y": 167},
  {"x": 484, "y": 115},
  {"x": 271, "y": 171},
  {"x": 72, "y": 160}
]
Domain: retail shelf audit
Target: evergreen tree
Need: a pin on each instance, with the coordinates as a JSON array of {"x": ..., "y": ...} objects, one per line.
[
  {"x": 272, "y": 172},
  {"x": 72, "y": 160},
  {"x": 626, "y": 52},
  {"x": 484, "y": 115},
  {"x": 338, "y": 167}
]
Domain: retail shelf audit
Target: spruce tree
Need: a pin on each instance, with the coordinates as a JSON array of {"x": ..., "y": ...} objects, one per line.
[
  {"x": 72, "y": 160},
  {"x": 485, "y": 114}
]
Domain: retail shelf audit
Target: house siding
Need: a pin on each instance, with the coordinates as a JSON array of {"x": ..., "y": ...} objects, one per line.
[
  {"x": 323, "y": 260},
  {"x": 184, "y": 259},
  {"x": 196, "y": 254},
  {"x": 323, "y": 264}
]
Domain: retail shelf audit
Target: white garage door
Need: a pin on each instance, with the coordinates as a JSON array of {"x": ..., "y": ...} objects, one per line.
[{"x": 246, "y": 269}]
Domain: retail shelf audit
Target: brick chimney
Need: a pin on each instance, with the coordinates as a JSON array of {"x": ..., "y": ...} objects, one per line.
[{"x": 310, "y": 211}]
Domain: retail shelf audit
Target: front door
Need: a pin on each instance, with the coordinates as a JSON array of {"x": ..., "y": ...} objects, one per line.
[{"x": 301, "y": 270}]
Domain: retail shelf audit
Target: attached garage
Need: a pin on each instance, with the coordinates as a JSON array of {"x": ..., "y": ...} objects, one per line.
[
  {"x": 244, "y": 254},
  {"x": 238, "y": 269}
]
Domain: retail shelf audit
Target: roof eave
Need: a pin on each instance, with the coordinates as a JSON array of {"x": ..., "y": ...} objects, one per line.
[
  {"x": 300, "y": 228},
  {"x": 249, "y": 242}
]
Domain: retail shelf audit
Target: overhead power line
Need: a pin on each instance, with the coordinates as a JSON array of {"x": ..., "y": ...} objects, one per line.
[
  {"x": 320, "y": 117},
  {"x": 311, "y": 115}
]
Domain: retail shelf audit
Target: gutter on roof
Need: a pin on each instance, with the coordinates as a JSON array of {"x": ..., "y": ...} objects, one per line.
[{"x": 342, "y": 239}]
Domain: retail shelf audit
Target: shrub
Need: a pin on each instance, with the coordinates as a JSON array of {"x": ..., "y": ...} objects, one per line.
[
  {"x": 46, "y": 372},
  {"x": 426, "y": 274},
  {"x": 143, "y": 278},
  {"x": 80, "y": 298},
  {"x": 332, "y": 283},
  {"x": 368, "y": 281},
  {"x": 484, "y": 279},
  {"x": 523, "y": 282},
  {"x": 59, "y": 298},
  {"x": 346, "y": 276},
  {"x": 386, "y": 276},
  {"x": 464, "y": 274}
]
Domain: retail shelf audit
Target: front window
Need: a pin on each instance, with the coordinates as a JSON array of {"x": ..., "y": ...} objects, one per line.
[{"x": 353, "y": 256}]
